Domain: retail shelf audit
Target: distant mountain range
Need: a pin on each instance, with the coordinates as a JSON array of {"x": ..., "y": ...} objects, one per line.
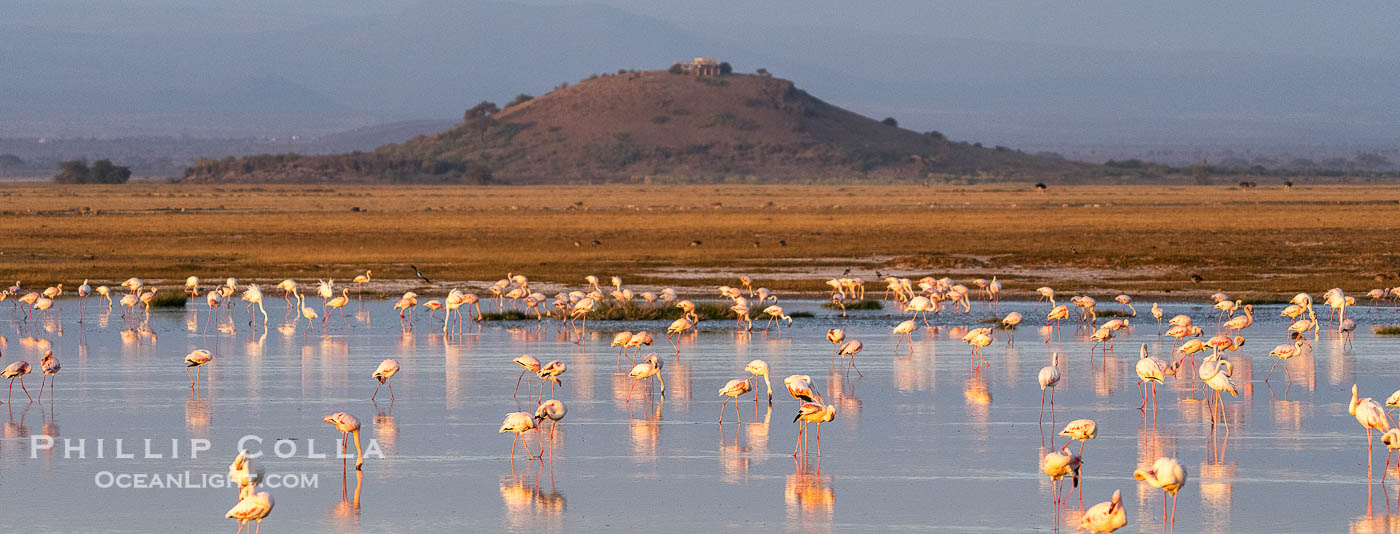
[
  {"x": 656, "y": 126},
  {"x": 435, "y": 59}
]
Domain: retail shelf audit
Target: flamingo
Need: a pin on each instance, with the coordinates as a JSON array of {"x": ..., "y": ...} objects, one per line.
[
  {"x": 1215, "y": 372},
  {"x": 50, "y": 366},
  {"x": 836, "y": 337},
  {"x": 812, "y": 413},
  {"x": 529, "y": 365},
  {"x": 251, "y": 507},
  {"x": 760, "y": 368},
  {"x": 13, "y": 371},
  {"x": 361, "y": 279},
  {"x": 620, "y": 340},
  {"x": 43, "y": 304},
  {"x": 197, "y": 358},
  {"x": 1046, "y": 294},
  {"x": 1167, "y": 475},
  {"x": 289, "y": 289},
  {"x": 134, "y": 284},
  {"x": 245, "y": 471},
  {"x": 1243, "y": 321},
  {"x": 733, "y": 389},
  {"x": 905, "y": 330},
  {"x": 1284, "y": 352},
  {"x": 1105, "y": 517},
  {"x": 1151, "y": 371},
  {"x": 850, "y": 349},
  {"x": 1057, "y": 465},
  {"x": 386, "y": 370},
  {"x": 1049, "y": 377},
  {"x": 106, "y": 293},
  {"x": 518, "y": 423},
  {"x": 801, "y": 388},
  {"x": 83, "y": 292},
  {"x": 1157, "y": 314},
  {"x": 252, "y": 296},
  {"x": 553, "y": 410},
  {"x": 1391, "y": 440},
  {"x": 1127, "y": 303},
  {"x": 550, "y": 373},
  {"x": 1080, "y": 430},
  {"x": 649, "y": 368},
  {"x": 1009, "y": 323},
  {"x": 775, "y": 313},
  {"x": 1372, "y": 417},
  {"x": 638, "y": 340},
  {"x": 678, "y": 328},
  {"x": 192, "y": 286},
  {"x": 53, "y": 291},
  {"x": 310, "y": 314},
  {"x": 347, "y": 425},
  {"x": 1057, "y": 314},
  {"x": 326, "y": 290},
  {"x": 337, "y": 303}
]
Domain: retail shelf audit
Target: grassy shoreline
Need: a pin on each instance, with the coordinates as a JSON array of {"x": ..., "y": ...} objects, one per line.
[{"x": 1147, "y": 241}]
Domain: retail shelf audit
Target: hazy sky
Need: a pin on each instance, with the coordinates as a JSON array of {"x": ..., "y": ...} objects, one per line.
[{"x": 1356, "y": 28}]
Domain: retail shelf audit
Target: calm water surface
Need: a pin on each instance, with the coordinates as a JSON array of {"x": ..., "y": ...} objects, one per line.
[{"x": 918, "y": 442}]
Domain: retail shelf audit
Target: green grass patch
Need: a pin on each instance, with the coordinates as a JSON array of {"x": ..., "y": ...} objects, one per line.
[
  {"x": 1387, "y": 330},
  {"x": 798, "y": 314},
  {"x": 1114, "y": 313},
  {"x": 508, "y": 315},
  {"x": 170, "y": 300},
  {"x": 857, "y": 305}
]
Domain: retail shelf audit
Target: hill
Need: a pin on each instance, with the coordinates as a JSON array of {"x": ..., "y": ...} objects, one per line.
[{"x": 657, "y": 126}]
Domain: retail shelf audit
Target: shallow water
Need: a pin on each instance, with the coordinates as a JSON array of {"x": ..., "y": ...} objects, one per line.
[{"x": 918, "y": 442}]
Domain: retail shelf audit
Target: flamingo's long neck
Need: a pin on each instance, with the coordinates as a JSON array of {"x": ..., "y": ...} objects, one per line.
[{"x": 768, "y": 385}]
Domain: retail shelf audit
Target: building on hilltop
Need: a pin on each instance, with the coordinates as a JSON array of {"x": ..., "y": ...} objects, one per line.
[{"x": 700, "y": 66}]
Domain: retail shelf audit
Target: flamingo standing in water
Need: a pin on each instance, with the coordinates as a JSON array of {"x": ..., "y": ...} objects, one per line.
[
  {"x": 649, "y": 368},
  {"x": 529, "y": 365},
  {"x": 836, "y": 337},
  {"x": 1151, "y": 371},
  {"x": 251, "y": 507},
  {"x": 1049, "y": 377},
  {"x": 106, "y": 293},
  {"x": 1372, "y": 417},
  {"x": 550, "y": 372},
  {"x": 386, "y": 370},
  {"x": 50, "y": 366},
  {"x": 1157, "y": 314},
  {"x": 620, "y": 340},
  {"x": 677, "y": 329},
  {"x": 850, "y": 349},
  {"x": 1127, "y": 303},
  {"x": 801, "y": 388},
  {"x": 760, "y": 368},
  {"x": 1167, "y": 475},
  {"x": 337, "y": 303},
  {"x": 253, "y": 295},
  {"x": 1284, "y": 352},
  {"x": 196, "y": 359},
  {"x": 734, "y": 389},
  {"x": 519, "y": 423},
  {"x": 812, "y": 413},
  {"x": 1009, "y": 324},
  {"x": 553, "y": 410},
  {"x": 347, "y": 425},
  {"x": 13, "y": 371},
  {"x": 906, "y": 331},
  {"x": 83, "y": 292},
  {"x": 1057, "y": 465},
  {"x": 1080, "y": 430},
  {"x": 1105, "y": 517},
  {"x": 1057, "y": 314}
]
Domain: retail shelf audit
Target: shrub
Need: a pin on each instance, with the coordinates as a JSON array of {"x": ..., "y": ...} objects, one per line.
[{"x": 889, "y": 121}]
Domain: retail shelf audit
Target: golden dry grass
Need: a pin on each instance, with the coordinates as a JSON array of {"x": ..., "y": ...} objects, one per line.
[{"x": 1135, "y": 239}]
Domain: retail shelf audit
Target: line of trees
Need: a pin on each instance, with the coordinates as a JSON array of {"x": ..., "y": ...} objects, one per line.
[{"x": 101, "y": 172}]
